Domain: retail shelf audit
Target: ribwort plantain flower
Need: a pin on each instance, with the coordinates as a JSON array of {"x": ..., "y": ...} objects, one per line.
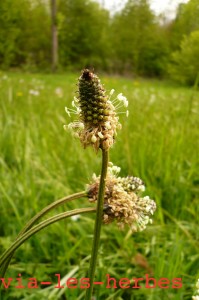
[
  {"x": 98, "y": 121},
  {"x": 123, "y": 201}
]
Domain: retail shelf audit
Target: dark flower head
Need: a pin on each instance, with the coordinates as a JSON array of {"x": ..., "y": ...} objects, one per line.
[{"x": 98, "y": 120}]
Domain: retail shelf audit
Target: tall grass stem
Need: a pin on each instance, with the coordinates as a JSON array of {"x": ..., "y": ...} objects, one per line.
[
  {"x": 41, "y": 226},
  {"x": 39, "y": 215},
  {"x": 46, "y": 209}
]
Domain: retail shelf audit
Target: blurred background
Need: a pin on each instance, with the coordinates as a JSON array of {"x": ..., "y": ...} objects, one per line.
[
  {"x": 147, "y": 50},
  {"x": 138, "y": 37}
]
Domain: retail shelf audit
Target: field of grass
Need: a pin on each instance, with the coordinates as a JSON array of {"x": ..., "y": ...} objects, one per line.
[{"x": 40, "y": 162}]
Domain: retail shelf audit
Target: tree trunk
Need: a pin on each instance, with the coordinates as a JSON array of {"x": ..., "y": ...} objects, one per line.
[{"x": 54, "y": 36}]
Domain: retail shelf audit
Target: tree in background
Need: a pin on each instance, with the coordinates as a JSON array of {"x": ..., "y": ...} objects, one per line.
[
  {"x": 54, "y": 35},
  {"x": 184, "y": 43},
  {"x": 36, "y": 36},
  {"x": 12, "y": 18},
  {"x": 186, "y": 21},
  {"x": 132, "y": 41},
  {"x": 185, "y": 62},
  {"x": 136, "y": 38},
  {"x": 83, "y": 34},
  {"x": 24, "y": 34}
]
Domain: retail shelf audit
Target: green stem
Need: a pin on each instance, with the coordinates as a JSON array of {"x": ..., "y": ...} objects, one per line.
[
  {"x": 44, "y": 211},
  {"x": 98, "y": 223},
  {"x": 41, "y": 226}
]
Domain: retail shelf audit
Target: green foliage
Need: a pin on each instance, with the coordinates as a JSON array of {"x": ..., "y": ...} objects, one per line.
[
  {"x": 82, "y": 33},
  {"x": 11, "y": 20},
  {"x": 185, "y": 65},
  {"x": 137, "y": 41},
  {"x": 35, "y": 39},
  {"x": 24, "y": 34},
  {"x": 40, "y": 162},
  {"x": 133, "y": 40},
  {"x": 185, "y": 22}
]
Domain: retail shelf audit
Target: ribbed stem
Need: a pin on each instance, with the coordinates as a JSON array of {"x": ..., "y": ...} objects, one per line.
[
  {"x": 43, "y": 212},
  {"x": 98, "y": 223},
  {"x": 41, "y": 226},
  {"x": 46, "y": 209}
]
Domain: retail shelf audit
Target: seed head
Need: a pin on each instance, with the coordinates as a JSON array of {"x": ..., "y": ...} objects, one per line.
[{"x": 122, "y": 200}]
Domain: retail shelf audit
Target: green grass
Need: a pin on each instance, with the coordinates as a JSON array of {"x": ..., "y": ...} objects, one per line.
[{"x": 40, "y": 162}]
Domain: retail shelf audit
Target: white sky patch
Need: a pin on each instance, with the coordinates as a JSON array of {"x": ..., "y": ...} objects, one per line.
[
  {"x": 158, "y": 6},
  {"x": 161, "y": 6}
]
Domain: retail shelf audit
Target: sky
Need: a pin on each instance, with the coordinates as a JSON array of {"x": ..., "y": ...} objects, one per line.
[{"x": 158, "y": 6}]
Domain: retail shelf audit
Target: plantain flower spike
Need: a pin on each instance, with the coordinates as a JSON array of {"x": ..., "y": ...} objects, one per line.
[
  {"x": 97, "y": 122},
  {"x": 122, "y": 201}
]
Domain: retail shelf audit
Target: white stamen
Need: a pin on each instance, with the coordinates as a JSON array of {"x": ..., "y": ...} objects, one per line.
[
  {"x": 100, "y": 135},
  {"x": 67, "y": 111},
  {"x": 93, "y": 139},
  {"x": 75, "y": 134},
  {"x": 108, "y": 125},
  {"x": 123, "y": 99},
  {"x": 94, "y": 177},
  {"x": 81, "y": 125},
  {"x": 120, "y": 104},
  {"x": 141, "y": 188},
  {"x": 116, "y": 169},
  {"x": 126, "y": 103},
  {"x": 111, "y": 92},
  {"x": 120, "y": 97},
  {"x": 70, "y": 125}
]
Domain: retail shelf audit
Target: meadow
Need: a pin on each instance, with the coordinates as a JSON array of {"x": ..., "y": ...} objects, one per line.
[{"x": 40, "y": 162}]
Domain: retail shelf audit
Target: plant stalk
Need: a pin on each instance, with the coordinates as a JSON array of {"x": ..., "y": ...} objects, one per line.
[
  {"x": 44, "y": 211},
  {"x": 41, "y": 226},
  {"x": 98, "y": 223}
]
